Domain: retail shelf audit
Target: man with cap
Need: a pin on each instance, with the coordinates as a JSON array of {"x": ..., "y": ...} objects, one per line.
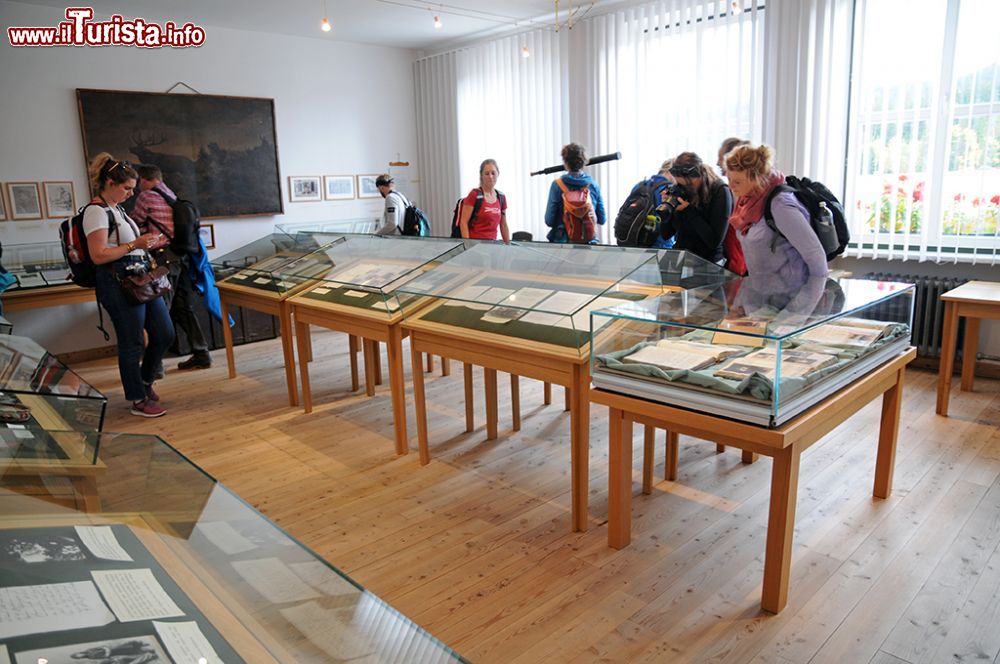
[{"x": 395, "y": 206}]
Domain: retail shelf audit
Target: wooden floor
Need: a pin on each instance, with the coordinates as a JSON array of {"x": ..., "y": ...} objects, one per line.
[{"x": 476, "y": 547}]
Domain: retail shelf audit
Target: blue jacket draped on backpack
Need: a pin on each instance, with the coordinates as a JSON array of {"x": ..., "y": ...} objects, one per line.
[{"x": 203, "y": 278}]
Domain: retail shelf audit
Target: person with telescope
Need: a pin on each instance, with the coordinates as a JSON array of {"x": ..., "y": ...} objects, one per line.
[{"x": 575, "y": 207}]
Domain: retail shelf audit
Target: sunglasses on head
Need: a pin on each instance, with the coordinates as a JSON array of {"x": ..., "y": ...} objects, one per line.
[
  {"x": 685, "y": 171},
  {"x": 117, "y": 164}
]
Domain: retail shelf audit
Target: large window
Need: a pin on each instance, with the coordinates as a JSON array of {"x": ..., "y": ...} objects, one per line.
[{"x": 924, "y": 152}]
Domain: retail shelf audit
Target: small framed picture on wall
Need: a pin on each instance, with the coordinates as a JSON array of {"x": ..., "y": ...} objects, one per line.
[
  {"x": 366, "y": 186},
  {"x": 304, "y": 188},
  {"x": 207, "y": 234},
  {"x": 24, "y": 200},
  {"x": 59, "y": 199},
  {"x": 3, "y": 206},
  {"x": 338, "y": 187}
]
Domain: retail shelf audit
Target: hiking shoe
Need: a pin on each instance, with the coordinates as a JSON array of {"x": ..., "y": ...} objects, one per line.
[
  {"x": 151, "y": 394},
  {"x": 196, "y": 362},
  {"x": 147, "y": 408}
]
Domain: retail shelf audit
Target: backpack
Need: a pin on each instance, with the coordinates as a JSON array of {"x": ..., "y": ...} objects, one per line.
[
  {"x": 456, "y": 228},
  {"x": 415, "y": 221},
  {"x": 579, "y": 218},
  {"x": 73, "y": 240},
  {"x": 631, "y": 228},
  {"x": 187, "y": 226},
  {"x": 811, "y": 194}
]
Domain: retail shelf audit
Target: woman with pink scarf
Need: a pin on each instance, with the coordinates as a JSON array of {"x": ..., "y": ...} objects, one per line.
[{"x": 797, "y": 254}]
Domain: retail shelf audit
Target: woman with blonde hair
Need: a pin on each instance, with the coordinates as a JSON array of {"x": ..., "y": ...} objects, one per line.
[
  {"x": 484, "y": 210},
  {"x": 118, "y": 249},
  {"x": 793, "y": 253}
]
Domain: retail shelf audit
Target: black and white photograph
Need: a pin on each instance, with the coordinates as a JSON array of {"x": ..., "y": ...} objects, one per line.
[
  {"x": 338, "y": 187},
  {"x": 133, "y": 650},
  {"x": 24, "y": 200},
  {"x": 304, "y": 188},
  {"x": 366, "y": 186},
  {"x": 3, "y": 206},
  {"x": 42, "y": 548},
  {"x": 59, "y": 199}
]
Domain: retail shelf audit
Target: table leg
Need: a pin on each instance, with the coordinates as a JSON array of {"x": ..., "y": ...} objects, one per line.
[
  {"x": 547, "y": 394},
  {"x": 309, "y": 349},
  {"x": 619, "y": 479},
  {"x": 288, "y": 353},
  {"x": 780, "y": 529},
  {"x": 394, "y": 348},
  {"x": 515, "y": 401},
  {"x": 748, "y": 457},
  {"x": 430, "y": 363},
  {"x": 648, "y": 436},
  {"x": 969, "y": 349},
  {"x": 579, "y": 417},
  {"x": 445, "y": 366},
  {"x": 352, "y": 347},
  {"x": 377, "y": 348},
  {"x": 370, "y": 360},
  {"x": 87, "y": 498},
  {"x": 419, "y": 405},
  {"x": 490, "y": 380},
  {"x": 227, "y": 336},
  {"x": 947, "y": 365},
  {"x": 302, "y": 337},
  {"x": 569, "y": 403},
  {"x": 470, "y": 416},
  {"x": 885, "y": 462},
  {"x": 673, "y": 448},
  {"x": 719, "y": 448}
]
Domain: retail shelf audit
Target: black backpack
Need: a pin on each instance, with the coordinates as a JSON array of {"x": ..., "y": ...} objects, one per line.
[
  {"x": 73, "y": 240},
  {"x": 631, "y": 228},
  {"x": 187, "y": 226},
  {"x": 811, "y": 194},
  {"x": 415, "y": 221},
  {"x": 456, "y": 228}
]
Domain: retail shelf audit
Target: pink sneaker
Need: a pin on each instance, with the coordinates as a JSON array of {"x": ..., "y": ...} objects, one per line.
[{"x": 147, "y": 408}]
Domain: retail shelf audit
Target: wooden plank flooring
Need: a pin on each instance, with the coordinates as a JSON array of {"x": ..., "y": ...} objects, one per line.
[{"x": 476, "y": 547}]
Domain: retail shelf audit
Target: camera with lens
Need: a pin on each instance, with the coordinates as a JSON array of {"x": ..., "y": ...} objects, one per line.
[{"x": 671, "y": 198}]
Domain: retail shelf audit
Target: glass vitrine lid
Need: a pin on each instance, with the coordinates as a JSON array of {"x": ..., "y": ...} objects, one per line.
[{"x": 26, "y": 367}]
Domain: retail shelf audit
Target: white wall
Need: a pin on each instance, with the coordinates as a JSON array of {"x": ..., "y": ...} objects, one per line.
[{"x": 340, "y": 108}]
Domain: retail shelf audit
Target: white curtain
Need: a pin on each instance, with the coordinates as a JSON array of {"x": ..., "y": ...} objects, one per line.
[{"x": 649, "y": 82}]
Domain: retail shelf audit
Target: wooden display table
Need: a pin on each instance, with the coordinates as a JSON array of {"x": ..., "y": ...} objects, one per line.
[
  {"x": 49, "y": 296},
  {"x": 785, "y": 444},
  {"x": 975, "y": 300},
  {"x": 81, "y": 468},
  {"x": 568, "y": 367}
]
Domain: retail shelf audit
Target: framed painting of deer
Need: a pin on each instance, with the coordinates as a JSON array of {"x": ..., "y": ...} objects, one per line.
[{"x": 219, "y": 152}]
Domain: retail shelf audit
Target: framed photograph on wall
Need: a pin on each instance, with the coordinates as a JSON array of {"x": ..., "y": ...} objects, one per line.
[
  {"x": 24, "y": 200},
  {"x": 220, "y": 152},
  {"x": 338, "y": 187},
  {"x": 3, "y": 206},
  {"x": 59, "y": 199},
  {"x": 366, "y": 187},
  {"x": 304, "y": 188},
  {"x": 207, "y": 234}
]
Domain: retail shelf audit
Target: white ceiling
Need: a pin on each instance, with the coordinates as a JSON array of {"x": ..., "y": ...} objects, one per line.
[{"x": 402, "y": 23}]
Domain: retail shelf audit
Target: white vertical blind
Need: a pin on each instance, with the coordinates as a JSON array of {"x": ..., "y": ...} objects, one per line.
[{"x": 649, "y": 81}]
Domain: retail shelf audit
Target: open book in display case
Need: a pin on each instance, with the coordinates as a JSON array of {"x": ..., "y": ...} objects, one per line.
[{"x": 751, "y": 349}]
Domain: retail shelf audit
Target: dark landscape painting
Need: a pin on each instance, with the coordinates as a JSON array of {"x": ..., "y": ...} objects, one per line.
[{"x": 220, "y": 152}]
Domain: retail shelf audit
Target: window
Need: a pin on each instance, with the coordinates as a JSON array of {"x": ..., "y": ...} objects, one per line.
[{"x": 924, "y": 152}]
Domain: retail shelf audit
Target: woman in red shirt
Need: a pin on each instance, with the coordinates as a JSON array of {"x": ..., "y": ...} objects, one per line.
[{"x": 492, "y": 207}]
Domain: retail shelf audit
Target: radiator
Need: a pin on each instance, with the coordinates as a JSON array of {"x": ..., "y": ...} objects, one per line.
[{"x": 928, "y": 309}]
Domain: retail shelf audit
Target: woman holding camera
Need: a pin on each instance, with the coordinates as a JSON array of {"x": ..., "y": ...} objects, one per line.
[
  {"x": 696, "y": 209},
  {"x": 118, "y": 249},
  {"x": 793, "y": 254}
]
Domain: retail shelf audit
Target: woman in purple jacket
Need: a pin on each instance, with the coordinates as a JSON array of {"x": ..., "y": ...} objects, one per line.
[{"x": 797, "y": 253}]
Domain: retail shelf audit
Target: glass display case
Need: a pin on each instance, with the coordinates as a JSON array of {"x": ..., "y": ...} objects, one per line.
[
  {"x": 175, "y": 568},
  {"x": 680, "y": 269},
  {"x": 355, "y": 226},
  {"x": 534, "y": 292},
  {"x": 6, "y": 327},
  {"x": 751, "y": 349},
  {"x": 263, "y": 266},
  {"x": 37, "y": 390},
  {"x": 36, "y": 265},
  {"x": 366, "y": 271}
]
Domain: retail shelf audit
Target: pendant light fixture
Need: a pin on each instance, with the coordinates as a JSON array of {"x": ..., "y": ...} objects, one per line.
[{"x": 325, "y": 25}]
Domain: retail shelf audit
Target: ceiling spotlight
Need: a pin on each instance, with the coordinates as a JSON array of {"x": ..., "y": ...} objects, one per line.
[
  {"x": 325, "y": 25},
  {"x": 525, "y": 53},
  {"x": 437, "y": 21}
]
